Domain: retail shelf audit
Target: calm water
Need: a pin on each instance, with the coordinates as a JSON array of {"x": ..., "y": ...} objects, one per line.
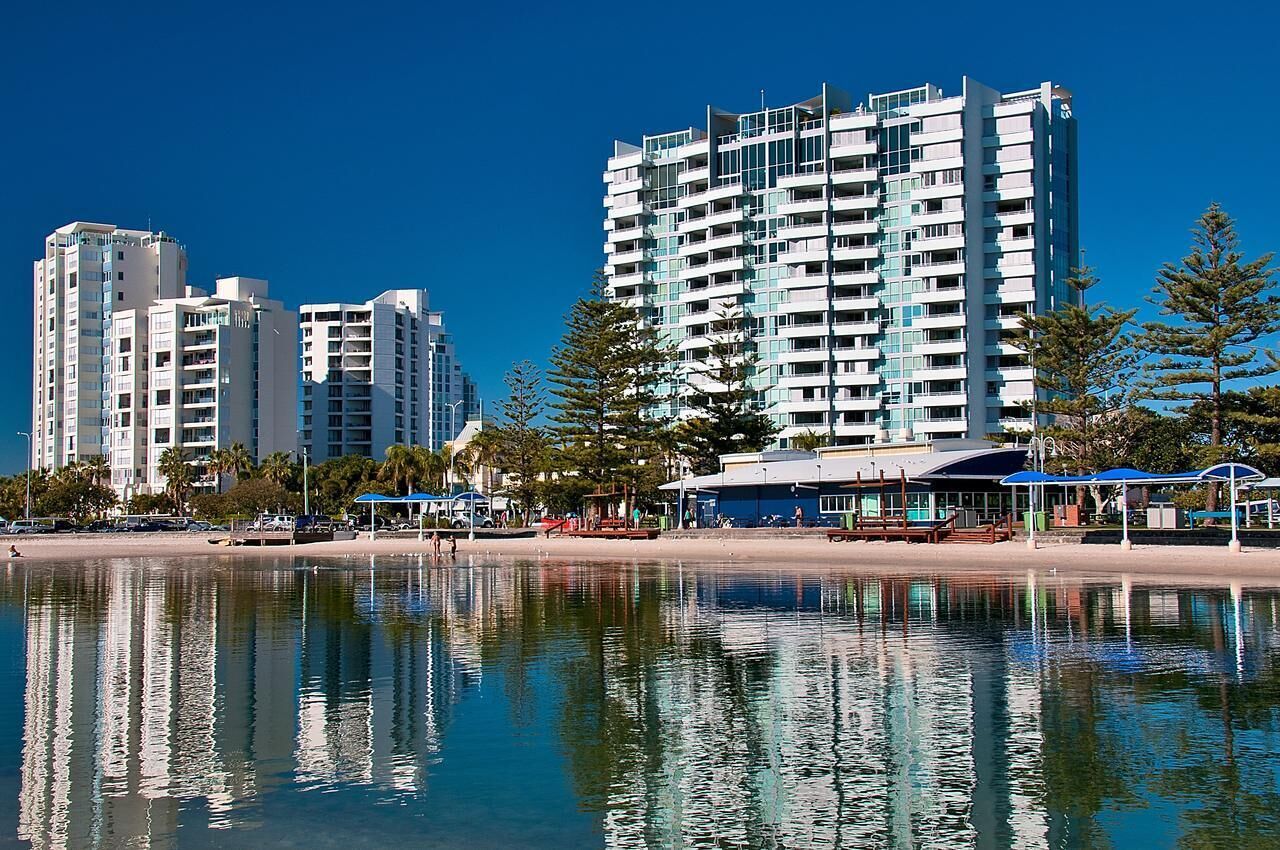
[{"x": 344, "y": 703}]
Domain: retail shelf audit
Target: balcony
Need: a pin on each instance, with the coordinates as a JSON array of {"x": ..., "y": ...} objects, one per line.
[
  {"x": 629, "y": 258},
  {"x": 856, "y": 352},
  {"x": 817, "y": 379},
  {"x": 803, "y": 180},
  {"x": 940, "y": 373},
  {"x": 947, "y": 295},
  {"x": 804, "y": 330},
  {"x": 949, "y": 425},
  {"x": 950, "y": 346},
  {"x": 849, "y": 176},
  {"x": 869, "y": 278},
  {"x": 733, "y": 264},
  {"x": 803, "y": 206},
  {"x": 949, "y": 399},
  {"x": 851, "y": 253},
  {"x": 816, "y": 230},
  {"x": 942, "y": 268},
  {"x": 695, "y": 175},
  {"x": 804, "y": 355},
  {"x": 629, "y": 234},
  {"x": 866, "y": 303},
  {"x": 943, "y": 320},
  {"x": 856, "y": 328},
  {"x": 869, "y": 227},
  {"x": 852, "y": 202},
  {"x": 864, "y": 403},
  {"x": 629, "y": 210}
]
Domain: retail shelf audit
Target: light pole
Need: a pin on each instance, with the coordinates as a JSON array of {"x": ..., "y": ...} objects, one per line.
[
  {"x": 453, "y": 435},
  {"x": 1040, "y": 447},
  {"x": 28, "y": 436},
  {"x": 306, "y": 501}
]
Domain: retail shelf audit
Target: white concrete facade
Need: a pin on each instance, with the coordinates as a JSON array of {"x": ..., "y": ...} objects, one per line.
[
  {"x": 88, "y": 273},
  {"x": 879, "y": 252},
  {"x": 200, "y": 373},
  {"x": 379, "y": 373}
]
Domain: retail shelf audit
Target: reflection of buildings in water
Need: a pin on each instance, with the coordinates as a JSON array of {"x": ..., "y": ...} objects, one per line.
[{"x": 817, "y": 728}]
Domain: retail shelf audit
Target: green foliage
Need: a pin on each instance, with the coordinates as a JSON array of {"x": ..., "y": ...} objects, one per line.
[
  {"x": 73, "y": 492},
  {"x": 809, "y": 440},
  {"x": 604, "y": 374},
  {"x": 150, "y": 503},
  {"x": 338, "y": 481},
  {"x": 178, "y": 474},
  {"x": 1158, "y": 443},
  {"x": 254, "y": 496},
  {"x": 728, "y": 419},
  {"x": 279, "y": 468},
  {"x": 1222, "y": 311},
  {"x": 521, "y": 445},
  {"x": 1084, "y": 361}
]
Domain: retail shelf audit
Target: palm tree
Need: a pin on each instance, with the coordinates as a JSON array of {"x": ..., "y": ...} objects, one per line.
[
  {"x": 431, "y": 467},
  {"x": 218, "y": 464},
  {"x": 96, "y": 468},
  {"x": 481, "y": 453},
  {"x": 400, "y": 468},
  {"x": 277, "y": 467},
  {"x": 238, "y": 461},
  {"x": 177, "y": 473}
]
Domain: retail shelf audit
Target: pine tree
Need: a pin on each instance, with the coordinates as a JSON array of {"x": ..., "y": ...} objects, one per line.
[
  {"x": 522, "y": 443},
  {"x": 728, "y": 419},
  {"x": 605, "y": 373},
  {"x": 1224, "y": 309},
  {"x": 1084, "y": 361}
]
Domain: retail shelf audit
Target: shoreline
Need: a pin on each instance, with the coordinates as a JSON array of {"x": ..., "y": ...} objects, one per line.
[{"x": 1200, "y": 564}]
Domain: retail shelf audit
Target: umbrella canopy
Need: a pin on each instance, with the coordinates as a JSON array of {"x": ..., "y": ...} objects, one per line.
[{"x": 375, "y": 497}]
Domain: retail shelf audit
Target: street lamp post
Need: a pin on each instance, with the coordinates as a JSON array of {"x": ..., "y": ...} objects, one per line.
[
  {"x": 453, "y": 436},
  {"x": 306, "y": 500},
  {"x": 28, "y": 436},
  {"x": 1040, "y": 447}
]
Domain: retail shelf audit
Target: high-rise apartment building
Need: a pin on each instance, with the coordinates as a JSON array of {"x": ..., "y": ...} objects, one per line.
[
  {"x": 87, "y": 274},
  {"x": 877, "y": 253},
  {"x": 200, "y": 373},
  {"x": 378, "y": 374}
]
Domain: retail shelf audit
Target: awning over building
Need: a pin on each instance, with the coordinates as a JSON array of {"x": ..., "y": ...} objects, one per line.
[
  {"x": 986, "y": 464},
  {"x": 1220, "y": 472}
]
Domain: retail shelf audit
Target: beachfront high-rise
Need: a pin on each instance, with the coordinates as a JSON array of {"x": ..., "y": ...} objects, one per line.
[
  {"x": 88, "y": 272},
  {"x": 199, "y": 373},
  {"x": 878, "y": 252},
  {"x": 379, "y": 373}
]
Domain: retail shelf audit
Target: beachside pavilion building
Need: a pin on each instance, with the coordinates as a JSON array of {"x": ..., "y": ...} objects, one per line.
[
  {"x": 939, "y": 477},
  {"x": 878, "y": 252}
]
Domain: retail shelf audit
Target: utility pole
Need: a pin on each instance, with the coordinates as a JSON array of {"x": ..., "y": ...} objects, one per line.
[
  {"x": 306, "y": 500},
  {"x": 28, "y": 436}
]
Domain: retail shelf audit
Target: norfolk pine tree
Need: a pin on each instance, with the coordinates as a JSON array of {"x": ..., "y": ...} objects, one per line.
[
  {"x": 727, "y": 419},
  {"x": 522, "y": 444},
  {"x": 1084, "y": 361},
  {"x": 1223, "y": 310},
  {"x": 604, "y": 373}
]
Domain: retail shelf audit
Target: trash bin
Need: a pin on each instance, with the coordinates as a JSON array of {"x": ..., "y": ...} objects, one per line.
[
  {"x": 664, "y": 523},
  {"x": 846, "y": 520},
  {"x": 1041, "y": 520}
]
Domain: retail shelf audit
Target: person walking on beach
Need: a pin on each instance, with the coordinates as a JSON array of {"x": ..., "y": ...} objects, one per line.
[
  {"x": 435, "y": 543},
  {"x": 453, "y": 545},
  {"x": 635, "y": 517},
  {"x": 799, "y": 516}
]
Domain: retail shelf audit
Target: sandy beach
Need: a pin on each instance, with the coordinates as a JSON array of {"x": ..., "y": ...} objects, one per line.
[{"x": 1183, "y": 563}]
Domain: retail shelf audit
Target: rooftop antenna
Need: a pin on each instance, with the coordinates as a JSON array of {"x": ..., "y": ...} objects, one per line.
[{"x": 762, "y": 100}]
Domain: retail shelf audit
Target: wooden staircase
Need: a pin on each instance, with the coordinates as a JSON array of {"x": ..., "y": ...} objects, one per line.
[{"x": 987, "y": 534}]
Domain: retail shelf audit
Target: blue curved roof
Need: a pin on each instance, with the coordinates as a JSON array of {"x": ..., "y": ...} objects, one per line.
[{"x": 1124, "y": 475}]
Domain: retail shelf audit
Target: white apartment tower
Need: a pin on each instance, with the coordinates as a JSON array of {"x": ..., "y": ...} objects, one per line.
[
  {"x": 378, "y": 374},
  {"x": 87, "y": 274},
  {"x": 200, "y": 373},
  {"x": 879, "y": 253}
]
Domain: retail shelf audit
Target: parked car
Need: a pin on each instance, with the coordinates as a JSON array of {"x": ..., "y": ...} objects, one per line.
[
  {"x": 464, "y": 521},
  {"x": 314, "y": 522},
  {"x": 273, "y": 522},
  {"x": 199, "y": 525},
  {"x": 28, "y": 526}
]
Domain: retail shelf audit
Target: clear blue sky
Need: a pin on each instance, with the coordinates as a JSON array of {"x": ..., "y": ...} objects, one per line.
[{"x": 342, "y": 149}]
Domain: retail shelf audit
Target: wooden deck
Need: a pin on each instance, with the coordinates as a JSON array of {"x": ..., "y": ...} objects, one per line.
[
  {"x": 616, "y": 534},
  {"x": 940, "y": 532},
  {"x": 278, "y": 538}
]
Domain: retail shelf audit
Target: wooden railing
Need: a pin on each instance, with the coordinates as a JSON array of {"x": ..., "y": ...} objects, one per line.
[
  {"x": 942, "y": 529},
  {"x": 559, "y": 528}
]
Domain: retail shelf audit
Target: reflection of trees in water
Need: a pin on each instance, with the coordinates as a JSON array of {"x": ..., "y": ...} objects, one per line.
[{"x": 691, "y": 707}]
